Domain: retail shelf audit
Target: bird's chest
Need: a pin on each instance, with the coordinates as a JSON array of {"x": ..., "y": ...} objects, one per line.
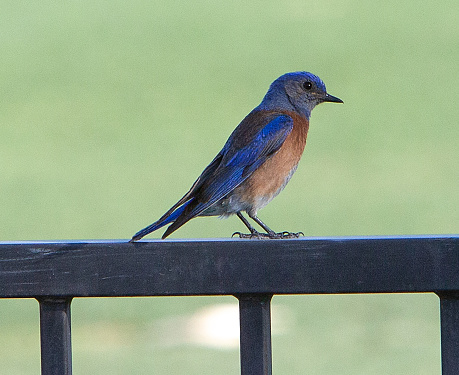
[{"x": 272, "y": 176}]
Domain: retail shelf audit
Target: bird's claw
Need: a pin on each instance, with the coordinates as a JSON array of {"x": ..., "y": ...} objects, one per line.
[
  {"x": 291, "y": 234},
  {"x": 254, "y": 235},
  {"x": 271, "y": 236}
]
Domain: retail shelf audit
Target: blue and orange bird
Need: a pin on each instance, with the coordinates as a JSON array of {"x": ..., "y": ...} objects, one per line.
[{"x": 256, "y": 162}]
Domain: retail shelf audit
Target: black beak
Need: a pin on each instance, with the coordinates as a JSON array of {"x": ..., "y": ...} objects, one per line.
[{"x": 331, "y": 98}]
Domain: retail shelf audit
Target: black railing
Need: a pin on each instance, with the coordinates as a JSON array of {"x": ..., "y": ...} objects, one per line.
[{"x": 251, "y": 270}]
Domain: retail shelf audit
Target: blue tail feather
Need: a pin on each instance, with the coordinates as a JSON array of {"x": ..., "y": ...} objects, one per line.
[{"x": 160, "y": 223}]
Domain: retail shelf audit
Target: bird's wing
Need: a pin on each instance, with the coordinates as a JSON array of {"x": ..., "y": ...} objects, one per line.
[
  {"x": 241, "y": 160},
  {"x": 246, "y": 149}
]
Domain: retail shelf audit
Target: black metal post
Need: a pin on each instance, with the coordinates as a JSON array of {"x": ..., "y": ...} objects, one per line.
[
  {"x": 56, "y": 349},
  {"x": 449, "y": 315},
  {"x": 255, "y": 334}
]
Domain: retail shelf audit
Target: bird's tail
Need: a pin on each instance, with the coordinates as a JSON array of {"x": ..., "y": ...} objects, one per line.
[{"x": 160, "y": 223}]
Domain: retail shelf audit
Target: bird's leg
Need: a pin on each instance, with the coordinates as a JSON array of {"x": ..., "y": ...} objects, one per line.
[
  {"x": 271, "y": 233},
  {"x": 253, "y": 231}
]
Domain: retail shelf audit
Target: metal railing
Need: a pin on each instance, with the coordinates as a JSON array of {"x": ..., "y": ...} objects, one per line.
[{"x": 251, "y": 270}]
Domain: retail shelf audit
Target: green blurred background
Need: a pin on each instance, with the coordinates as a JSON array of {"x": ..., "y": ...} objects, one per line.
[{"x": 109, "y": 110}]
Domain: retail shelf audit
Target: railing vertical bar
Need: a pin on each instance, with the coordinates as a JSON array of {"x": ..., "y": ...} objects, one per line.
[
  {"x": 449, "y": 315},
  {"x": 56, "y": 349},
  {"x": 255, "y": 334}
]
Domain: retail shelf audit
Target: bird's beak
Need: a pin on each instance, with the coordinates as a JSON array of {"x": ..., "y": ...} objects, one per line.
[{"x": 331, "y": 98}]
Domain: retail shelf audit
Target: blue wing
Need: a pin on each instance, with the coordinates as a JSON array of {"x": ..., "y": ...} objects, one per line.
[
  {"x": 242, "y": 154},
  {"x": 255, "y": 140}
]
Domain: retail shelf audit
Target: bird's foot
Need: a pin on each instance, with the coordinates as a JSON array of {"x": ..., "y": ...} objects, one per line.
[
  {"x": 271, "y": 236},
  {"x": 252, "y": 235},
  {"x": 289, "y": 234}
]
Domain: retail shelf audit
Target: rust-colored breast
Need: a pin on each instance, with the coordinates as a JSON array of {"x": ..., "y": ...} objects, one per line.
[{"x": 272, "y": 176}]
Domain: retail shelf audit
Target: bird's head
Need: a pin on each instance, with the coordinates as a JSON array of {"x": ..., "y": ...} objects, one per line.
[{"x": 297, "y": 91}]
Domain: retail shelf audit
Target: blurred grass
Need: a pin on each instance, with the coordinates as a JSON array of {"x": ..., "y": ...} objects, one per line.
[{"x": 110, "y": 110}]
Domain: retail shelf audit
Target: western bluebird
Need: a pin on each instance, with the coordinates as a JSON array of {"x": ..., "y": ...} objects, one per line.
[{"x": 256, "y": 162}]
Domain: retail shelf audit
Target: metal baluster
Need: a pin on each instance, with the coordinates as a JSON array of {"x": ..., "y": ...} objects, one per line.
[
  {"x": 255, "y": 334},
  {"x": 56, "y": 347},
  {"x": 449, "y": 314}
]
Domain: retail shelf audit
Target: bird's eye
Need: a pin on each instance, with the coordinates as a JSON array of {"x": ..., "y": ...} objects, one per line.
[{"x": 307, "y": 85}]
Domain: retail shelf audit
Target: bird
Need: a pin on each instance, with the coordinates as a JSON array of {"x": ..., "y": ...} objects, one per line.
[{"x": 256, "y": 162}]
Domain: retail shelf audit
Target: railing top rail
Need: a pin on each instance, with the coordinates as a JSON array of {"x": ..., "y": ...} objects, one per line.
[{"x": 229, "y": 266}]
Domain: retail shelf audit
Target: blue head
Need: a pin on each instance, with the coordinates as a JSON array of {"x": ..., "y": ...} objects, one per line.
[{"x": 297, "y": 91}]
